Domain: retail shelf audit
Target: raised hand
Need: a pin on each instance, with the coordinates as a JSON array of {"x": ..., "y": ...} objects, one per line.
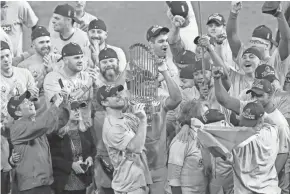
[
  {"x": 236, "y": 6},
  {"x": 138, "y": 111},
  {"x": 217, "y": 72},
  {"x": 177, "y": 21}
]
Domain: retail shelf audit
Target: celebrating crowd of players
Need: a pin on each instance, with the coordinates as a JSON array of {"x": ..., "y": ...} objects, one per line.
[{"x": 67, "y": 125}]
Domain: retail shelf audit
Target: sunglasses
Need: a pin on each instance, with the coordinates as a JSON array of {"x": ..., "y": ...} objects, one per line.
[
  {"x": 259, "y": 42},
  {"x": 253, "y": 94},
  {"x": 74, "y": 105}
]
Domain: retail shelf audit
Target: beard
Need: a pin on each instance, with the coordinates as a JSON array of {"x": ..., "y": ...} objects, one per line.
[
  {"x": 110, "y": 73},
  {"x": 44, "y": 51}
]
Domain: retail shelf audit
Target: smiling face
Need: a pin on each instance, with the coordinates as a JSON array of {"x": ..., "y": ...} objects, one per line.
[
  {"x": 264, "y": 98},
  {"x": 80, "y": 6},
  {"x": 26, "y": 109},
  {"x": 74, "y": 63},
  {"x": 199, "y": 78},
  {"x": 42, "y": 45},
  {"x": 6, "y": 60},
  {"x": 159, "y": 45},
  {"x": 250, "y": 62},
  {"x": 97, "y": 35},
  {"x": 186, "y": 83},
  {"x": 110, "y": 69}
]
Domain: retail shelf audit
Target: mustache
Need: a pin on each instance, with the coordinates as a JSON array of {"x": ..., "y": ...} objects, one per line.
[{"x": 96, "y": 38}]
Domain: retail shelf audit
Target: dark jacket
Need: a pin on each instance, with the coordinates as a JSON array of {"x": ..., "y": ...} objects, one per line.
[{"x": 62, "y": 158}]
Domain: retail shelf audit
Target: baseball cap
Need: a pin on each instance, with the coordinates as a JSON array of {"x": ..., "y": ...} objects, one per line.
[
  {"x": 265, "y": 33},
  {"x": 107, "y": 53},
  {"x": 252, "y": 112},
  {"x": 186, "y": 57},
  {"x": 197, "y": 65},
  {"x": 65, "y": 10},
  {"x": 265, "y": 72},
  {"x": 178, "y": 8},
  {"x": 261, "y": 86},
  {"x": 154, "y": 31},
  {"x": 216, "y": 17},
  {"x": 4, "y": 45},
  {"x": 97, "y": 24},
  {"x": 15, "y": 101},
  {"x": 254, "y": 51},
  {"x": 39, "y": 31},
  {"x": 186, "y": 73},
  {"x": 71, "y": 49},
  {"x": 270, "y": 7},
  {"x": 107, "y": 91}
]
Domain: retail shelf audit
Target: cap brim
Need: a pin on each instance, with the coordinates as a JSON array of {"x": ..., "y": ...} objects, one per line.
[
  {"x": 247, "y": 122},
  {"x": 214, "y": 20},
  {"x": 255, "y": 90},
  {"x": 116, "y": 89},
  {"x": 59, "y": 59}
]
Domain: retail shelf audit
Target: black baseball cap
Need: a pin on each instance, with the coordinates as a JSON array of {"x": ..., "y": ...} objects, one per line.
[
  {"x": 97, "y": 24},
  {"x": 185, "y": 58},
  {"x": 15, "y": 101},
  {"x": 251, "y": 113},
  {"x": 265, "y": 33},
  {"x": 71, "y": 49},
  {"x": 107, "y": 91},
  {"x": 39, "y": 31},
  {"x": 186, "y": 73},
  {"x": 4, "y": 45},
  {"x": 261, "y": 86},
  {"x": 65, "y": 10},
  {"x": 265, "y": 72},
  {"x": 197, "y": 65},
  {"x": 154, "y": 31},
  {"x": 271, "y": 7},
  {"x": 178, "y": 8},
  {"x": 107, "y": 53},
  {"x": 216, "y": 17},
  {"x": 254, "y": 51}
]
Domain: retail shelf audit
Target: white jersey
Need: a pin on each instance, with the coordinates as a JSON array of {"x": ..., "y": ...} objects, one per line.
[{"x": 15, "y": 15}]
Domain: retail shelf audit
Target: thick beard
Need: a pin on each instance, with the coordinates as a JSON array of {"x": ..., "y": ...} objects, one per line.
[{"x": 116, "y": 70}]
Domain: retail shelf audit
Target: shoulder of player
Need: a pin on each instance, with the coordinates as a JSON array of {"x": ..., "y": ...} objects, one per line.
[
  {"x": 90, "y": 16},
  {"x": 28, "y": 61},
  {"x": 79, "y": 32},
  {"x": 52, "y": 76}
]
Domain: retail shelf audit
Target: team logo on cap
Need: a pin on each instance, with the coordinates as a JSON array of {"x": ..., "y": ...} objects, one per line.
[
  {"x": 247, "y": 114},
  {"x": 267, "y": 72},
  {"x": 215, "y": 16},
  {"x": 69, "y": 13},
  {"x": 257, "y": 84},
  {"x": 156, "y": 27},
  {"x": 108, "y": 88}
]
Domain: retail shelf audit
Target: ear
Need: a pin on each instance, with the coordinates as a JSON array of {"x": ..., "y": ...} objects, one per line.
[
  {"x": 106, "y": 34},
  {"x": 18, "y": 113},
  {"x": 104, "y": 103}
]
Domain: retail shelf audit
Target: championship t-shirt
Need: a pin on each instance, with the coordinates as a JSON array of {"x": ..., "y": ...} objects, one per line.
[
  {"x": 16, "y": 14},
  {"x": 130, "y": 169},
  {"x": 21, "y": 81}
]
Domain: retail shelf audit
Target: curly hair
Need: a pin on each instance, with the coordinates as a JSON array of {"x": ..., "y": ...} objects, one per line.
[{"x": 190, "y": 109}]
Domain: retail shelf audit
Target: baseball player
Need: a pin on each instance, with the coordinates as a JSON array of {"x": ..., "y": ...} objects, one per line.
[
  {"x": 72, "y": 81},
  {"x": 15, "y": 15},
  {"x": 14, "y": 80},
  {"x": 98, "y": 34},
  {"x": 64, "y": 32},
  {"x": 189, "y": 29},
  {"x": 82, "y": 18},
  {"x": 262, "y": 39}
]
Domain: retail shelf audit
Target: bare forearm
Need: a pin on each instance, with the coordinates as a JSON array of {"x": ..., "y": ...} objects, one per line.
[
  {"x": 173, "y": 89},
  {"x": 280, "y": 162},
  {"x": 138, "y": 141},
  {"x": 232, "y": 34},
  {"x": 174, "y": 35},
  {"x": 285, "y": 36}
]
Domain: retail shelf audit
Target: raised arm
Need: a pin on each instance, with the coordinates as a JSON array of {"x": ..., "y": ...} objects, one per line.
[
  {"x": 232, "y": 29},
  {"x": 174, "y": 39},
  {"x": 224, "y": 98},
  {"x": 175, "y": 96},
  {"x": 284, "y": 44}
]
